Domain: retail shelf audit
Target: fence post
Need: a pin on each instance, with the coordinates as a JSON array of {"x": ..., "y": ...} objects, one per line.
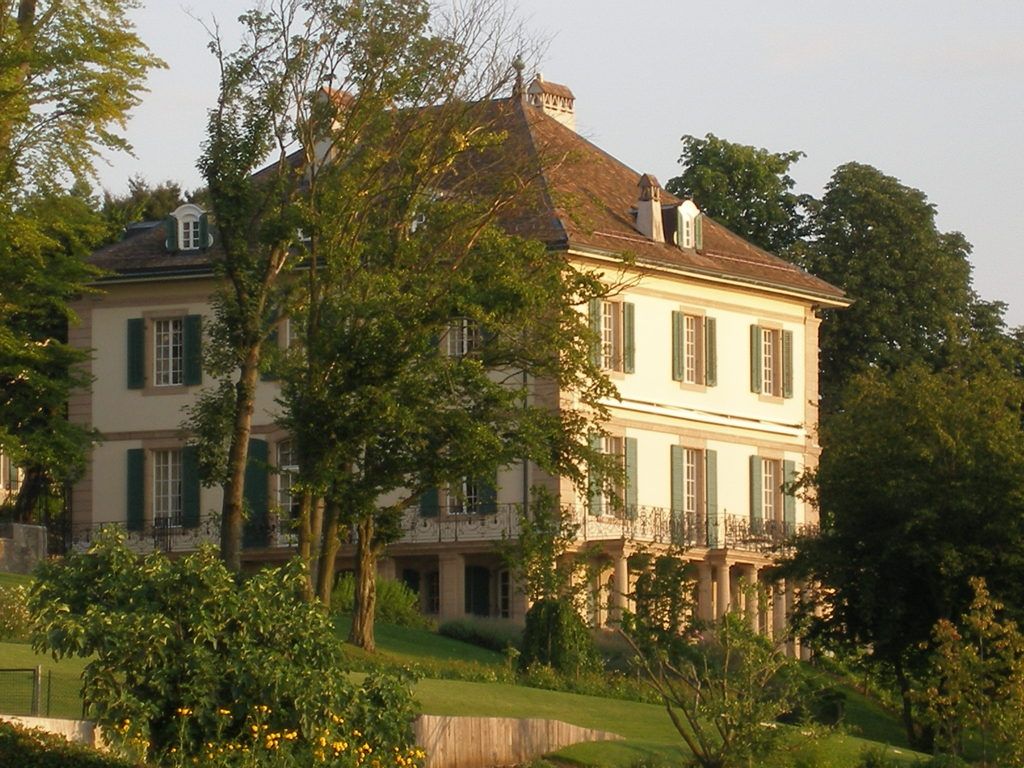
[{"x": 37, "y": 690}]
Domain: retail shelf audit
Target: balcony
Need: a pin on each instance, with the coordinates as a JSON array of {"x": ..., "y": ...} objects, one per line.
[{"x": 641, "y": 525}]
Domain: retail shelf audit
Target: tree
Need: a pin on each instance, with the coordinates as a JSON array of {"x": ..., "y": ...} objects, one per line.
[
  {"x": 910, "y": 283},
  {"x": 180, "y": 656},
  {"x": 747, "y": 189},
  {"x": 43, "y": 246},
  {"x": 69, "y": 73},
  {"x": 919, "y": 488},
  {"x": 724, "y": 694},
  {"x": 554, "y": 579},
  {"x": 142, "y": 202},
  {"x": 974, "y": 682}
]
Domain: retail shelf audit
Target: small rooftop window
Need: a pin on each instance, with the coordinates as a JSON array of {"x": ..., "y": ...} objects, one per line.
[
  {"x": 187, "y": 229},
  {"x": 689, "y": 233}
]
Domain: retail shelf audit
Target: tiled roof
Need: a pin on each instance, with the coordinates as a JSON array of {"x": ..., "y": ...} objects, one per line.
[
  {"x": 578, "y": 197},
  {"x": 556, "y": 89}
]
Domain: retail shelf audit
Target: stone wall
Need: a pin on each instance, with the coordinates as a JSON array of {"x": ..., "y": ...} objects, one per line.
[{"x": 22, "y": 547}]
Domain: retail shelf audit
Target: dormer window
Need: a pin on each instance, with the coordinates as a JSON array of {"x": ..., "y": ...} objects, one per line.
[
  {"x": 187, "y": 229},
  {"x": 688, "y": 226}
]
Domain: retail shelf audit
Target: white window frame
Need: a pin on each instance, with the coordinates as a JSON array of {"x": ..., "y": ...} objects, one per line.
[
  {"x": 169, "y": 351},
  {"x": 613, "y": 498},
  {"x": 611, "y": 335},
  {"x": 771, "y": 361},
  {"x": 188, "y": 233},
  {"x": 465, "y": 497},
  {"x": 771, "y": 490},
  {"x": 693, "y": 482},
  {"x": 463, "y": 338},
  {"x": 693, "y": 338},
  {"x": 287, "y": 468},
  {"x": 167, "y": 487}
]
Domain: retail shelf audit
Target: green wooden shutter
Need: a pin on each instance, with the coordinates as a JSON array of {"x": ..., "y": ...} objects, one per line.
[
  {"x": 787, "y": 363},
  {"x": 678, "y": 341},
  {"x": 698, "y": 232},
  {"x": 136, "y": 353},
  {"x": 710, "y": 352},
  {"x": 171, "y": 234},
  {"x": 488, "y": 490},
  {"x": 711, "y": 498},
  {"x": 190, "y": 486},
  {"x": 678, "y": 490},
  {"x": 136, "y": 489},
  {"x": 193, "y": 338},
  {"x": 204, "y": 231},
  {"x": 430, "y": 504},
  {"x": 756, "y": 359},
  {"x": 256, "y": 528},
  {"x": 595, "y": 328},
  {"x": 594, "y": 481},
  {"x": 756, "y": 499},
  {"x": 788, "y": 499},
  {"x": 628, "y": 337},
  {"x": 632, "y": 495}
]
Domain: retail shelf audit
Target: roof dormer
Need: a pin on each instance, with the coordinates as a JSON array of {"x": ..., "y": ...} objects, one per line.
[
  {"x": 689, "y": 234},
  {"x": 187, "y": 229}
]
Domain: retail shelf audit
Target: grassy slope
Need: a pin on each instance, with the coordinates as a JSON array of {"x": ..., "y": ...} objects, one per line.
[
  {"x": 65, "y": 681},
  {"x": 646, "y": 728},
  {"x": 14, "y": 580}
]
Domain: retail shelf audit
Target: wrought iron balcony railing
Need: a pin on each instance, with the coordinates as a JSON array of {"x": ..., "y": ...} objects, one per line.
[{"x": 642, "y": 524}]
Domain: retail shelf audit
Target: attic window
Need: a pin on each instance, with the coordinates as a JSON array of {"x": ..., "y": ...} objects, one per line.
[
  {"x": 688, "y": 226},
  {"x": 187, "y": 229}
]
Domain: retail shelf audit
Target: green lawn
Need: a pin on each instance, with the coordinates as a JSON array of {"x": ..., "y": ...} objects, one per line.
[
  {"x": 647, "y": 731},
  {"x": 62, "y": 680},
  {"x": 14, "y": 579}
]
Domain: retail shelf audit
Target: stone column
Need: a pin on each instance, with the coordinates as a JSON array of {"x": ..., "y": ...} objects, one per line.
[
  {"x": 620, "y": 589},
  {"x": 793, "y": 644},
  {"x": 751, "y": 599},
  {"x": 452, "y": 578},
  {"x": 724, "y": 589},
  {"x": 778, "y": 611},
  {"x": 386, "y": 568},
  {"x": 705, "y": 589}
]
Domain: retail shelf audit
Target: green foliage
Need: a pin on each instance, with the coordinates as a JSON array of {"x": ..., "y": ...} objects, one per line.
[
  {"x": 180, "y": 653},
  {"x": 725, "y": 695},
  {"x": 396, "y": 603},
  {"x": 877, "y": 240},
  {"x": 921, "y": 472},
  {"x": 143, "y": 202},
  {"x": 974, "y": 683},
  {"x": 746, "y": 188},
  {"x": 43, "y": 244},
  {"x": 662, "y": 618},
  {"x": 556, "y": 635},
  {"x": 29, "y": 748},
  {"x": 540, "y": 557},
  {"x": 15, "y": 620},
  {"x": 493, "y": 634}
]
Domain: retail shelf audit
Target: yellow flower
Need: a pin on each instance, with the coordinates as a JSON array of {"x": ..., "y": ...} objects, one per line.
[
  {"x": 184, "y": 711},
  {"x": 223, "y": 711}
]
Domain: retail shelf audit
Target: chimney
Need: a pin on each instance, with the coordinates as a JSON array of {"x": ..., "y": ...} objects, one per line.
[
  {"x": 554, "y": 100},
  {"x": 648, "y": 209}
]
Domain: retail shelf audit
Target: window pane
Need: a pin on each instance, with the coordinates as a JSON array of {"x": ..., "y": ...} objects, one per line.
[
  {"x": 770, "y": 487},
  {"x": 169, "y": 352},
  {"x": 690, "y": 350},
  {"x": 768, "y": 356},
  {"x": 609, "y": 335},
  {"x": 167, "y": 487}
]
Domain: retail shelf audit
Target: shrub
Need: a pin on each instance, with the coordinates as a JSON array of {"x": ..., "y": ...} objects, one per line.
[
  {"x": 555, "y": 635},
  {"x": 15, "y": 620},
  {"x": 396, "y": 603},
  {"x": 31, "y": 748},
  {"x": 493, "y": 634},
  {"x": 183, "y": 655}
]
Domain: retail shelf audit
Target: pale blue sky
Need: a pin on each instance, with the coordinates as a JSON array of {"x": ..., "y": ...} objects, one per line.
[{"x": 930, "y": 92}]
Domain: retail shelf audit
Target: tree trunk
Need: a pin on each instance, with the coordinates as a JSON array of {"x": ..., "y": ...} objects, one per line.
[
  {"x": 32, "y": 489},
  {"x": 366, "y": 586},
  {"x": 232, "y": 511},
  {"x": 328, "y": 553},
  {"x": 921, "y": 739}
]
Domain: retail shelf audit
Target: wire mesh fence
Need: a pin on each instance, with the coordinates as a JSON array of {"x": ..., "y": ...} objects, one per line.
[{"x": 34, "y": 693}]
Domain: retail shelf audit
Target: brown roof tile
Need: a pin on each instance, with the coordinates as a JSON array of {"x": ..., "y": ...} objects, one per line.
[{"x": 577, "y": 196}]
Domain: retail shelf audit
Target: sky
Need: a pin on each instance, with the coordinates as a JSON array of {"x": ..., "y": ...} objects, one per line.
[{"x": 928, "y": 91}]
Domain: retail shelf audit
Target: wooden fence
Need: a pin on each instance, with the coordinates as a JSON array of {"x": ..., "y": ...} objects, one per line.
[{"x": 485, "y": 742}]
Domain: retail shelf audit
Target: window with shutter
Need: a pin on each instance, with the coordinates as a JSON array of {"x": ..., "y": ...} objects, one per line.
[
  {"x": 771, "y": 361},
  {"x": 615, "y": 326}
]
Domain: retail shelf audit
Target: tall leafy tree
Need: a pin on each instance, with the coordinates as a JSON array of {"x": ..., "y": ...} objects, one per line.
[
  {"x": 920, "y": 487},
  {"x": 69, "y": 73},
  {"x": 877, "y": 239},
  {"x": 746, "y": 188}
]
